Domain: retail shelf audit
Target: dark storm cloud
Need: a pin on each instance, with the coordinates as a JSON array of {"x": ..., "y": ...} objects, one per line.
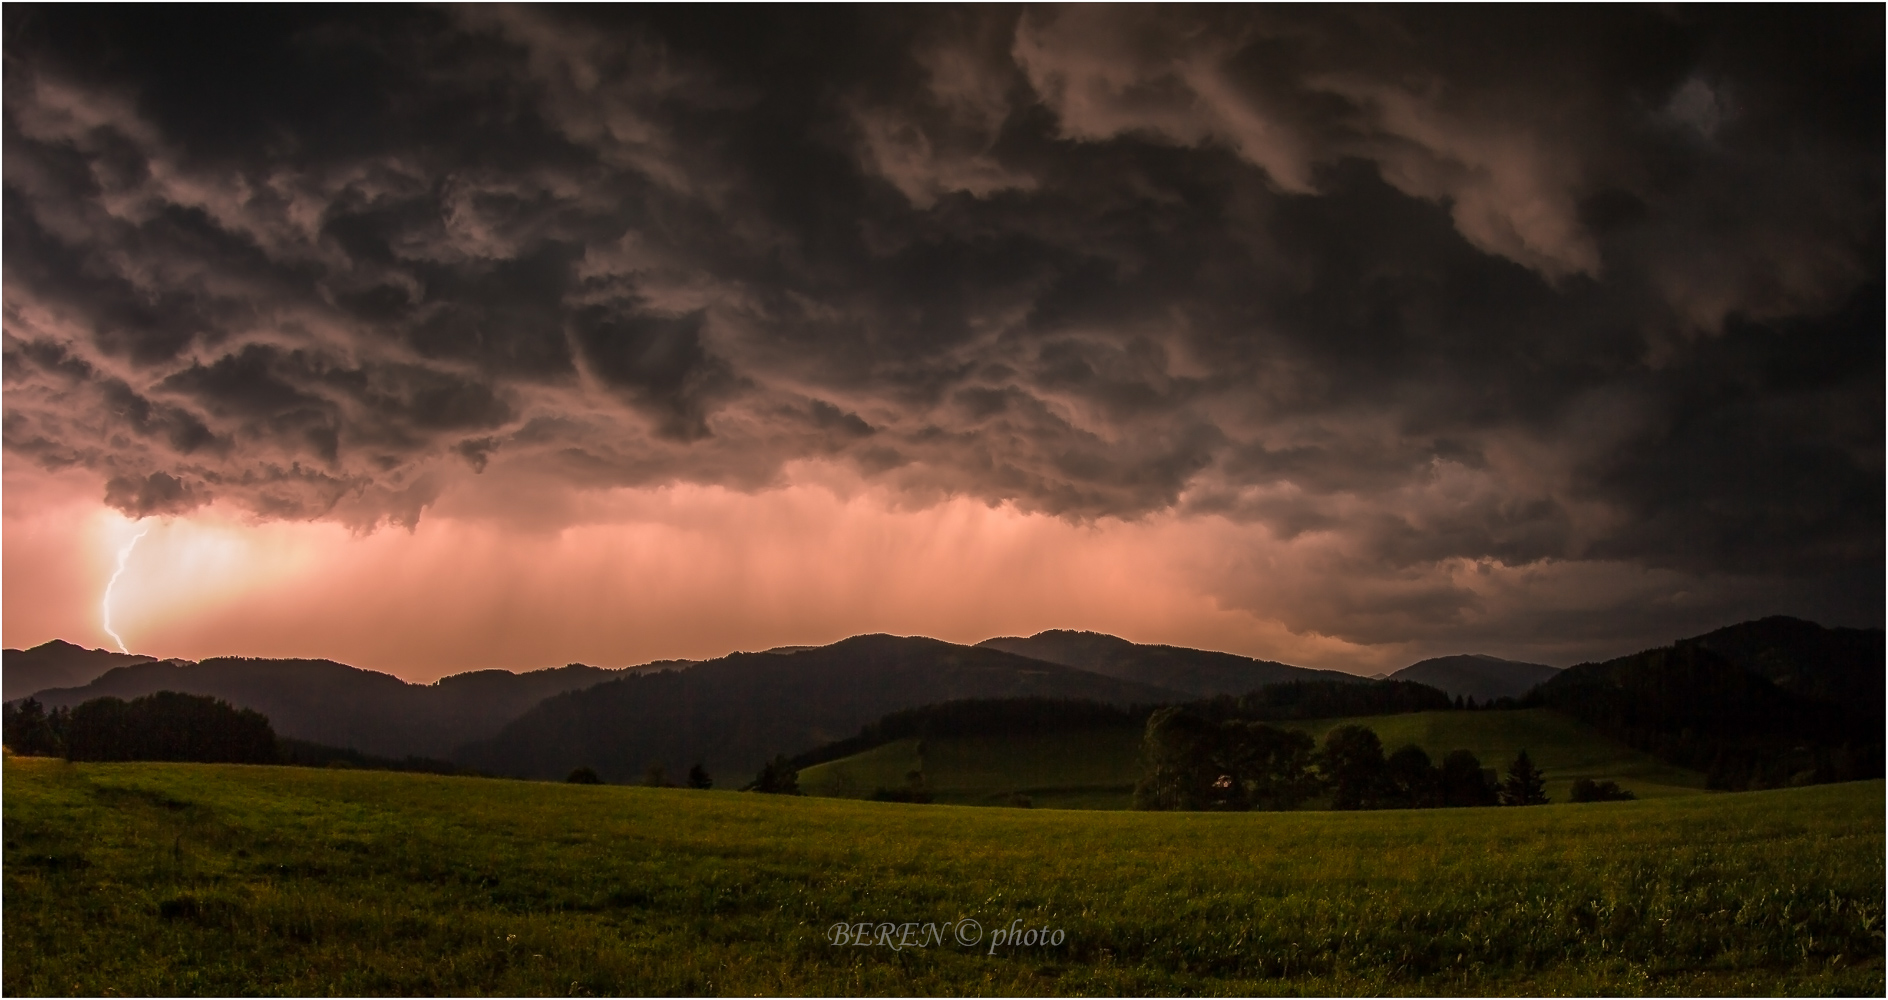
[{"x": 1441, "y": 288}]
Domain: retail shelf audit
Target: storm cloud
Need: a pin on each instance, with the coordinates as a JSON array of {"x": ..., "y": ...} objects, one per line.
[{"x": 1458, "y": 306}]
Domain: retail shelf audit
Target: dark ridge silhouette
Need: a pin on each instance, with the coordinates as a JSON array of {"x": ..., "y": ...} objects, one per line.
[
  {"x": 1474, "y": 675},
  {"x": 324, "y": 702},
  {"x": 1194, "y": 672},
  {"x": 736, "y": 713},
  {"x": 56, "y": 664},
  {"x": 1838, "y": 666},
  {"x": 1722, "y": 713}
]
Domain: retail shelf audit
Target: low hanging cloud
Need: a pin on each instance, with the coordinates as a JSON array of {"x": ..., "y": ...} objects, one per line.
[{"x": 1410, "y": 290}]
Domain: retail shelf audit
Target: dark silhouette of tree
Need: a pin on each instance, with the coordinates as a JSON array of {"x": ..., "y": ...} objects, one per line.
[
  {"x": 1178, "y": 769},
  {"x": 698, "y": 778},
  {"x": 1588, "y": 790},
  {"x": 30, "y": 731},
  {"x": 1415, "y": 782},
  {"x": 1353, "y": 766},
  {"x": 1466, "y": 783},
  {"x": 778, "y": 777},
  {"x": 168, "y": 726},
  {"x": 1190, "y": 762},
  {"x": 654, "y": 776},
  {"x": 1525, "y": 785},
  {"x": 583, "y": 776}
]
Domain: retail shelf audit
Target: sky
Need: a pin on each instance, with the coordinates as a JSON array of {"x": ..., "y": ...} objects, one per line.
[{"x": 432, "y": 339}]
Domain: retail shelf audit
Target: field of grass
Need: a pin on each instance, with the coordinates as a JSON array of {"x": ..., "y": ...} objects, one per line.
[
  {"x": 1096, "y": 769},
  {"x": 188, "y": 879}
]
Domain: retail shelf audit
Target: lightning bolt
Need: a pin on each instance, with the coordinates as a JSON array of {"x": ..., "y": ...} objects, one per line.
[{"x": 105, "y": 606}]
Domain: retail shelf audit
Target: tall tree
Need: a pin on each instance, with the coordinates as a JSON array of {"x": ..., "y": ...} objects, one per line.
[
  {"x": 1353, "y": 765},
  {"x": 1526, "y": 786}
]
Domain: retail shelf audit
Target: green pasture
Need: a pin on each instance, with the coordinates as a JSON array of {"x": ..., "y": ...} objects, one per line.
[
  {"x": 1096, "y": 769},
  {"x": 174, "y": 879}
]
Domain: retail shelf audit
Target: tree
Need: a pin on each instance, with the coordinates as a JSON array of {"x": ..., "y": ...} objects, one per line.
[
  {"x": 1415, "y": 782},
  {"x": 1352, "y": 764},
  {"x": 654, "y": 776},
  {"x": 698, "y": 777},
  {"x": 1466, "y": 783},
  {"x": 1177, "y": 769},
  {"x": 29, "y": 731},
  {"x": 583, "y": 776},
  {"x": 1525, "y": 785},
  {"x": 778, "y": 777},
  {"x": 1588, "y": 790},
  {"x": 1271, "y": 765}
]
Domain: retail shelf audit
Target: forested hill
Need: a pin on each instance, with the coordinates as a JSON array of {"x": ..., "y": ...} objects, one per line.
[
  {"x": 332, "y": 703},
  {"x": 1193, "y": 672},
  {"x": 734, "y": 713},
  {"x": 1472, "y": 675},
  {"x": 56, "y": 664},
  {"x": 1765, "y": 703}
]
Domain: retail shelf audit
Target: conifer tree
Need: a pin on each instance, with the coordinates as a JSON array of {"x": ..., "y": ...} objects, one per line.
[{"x": 1525, "y": 785}]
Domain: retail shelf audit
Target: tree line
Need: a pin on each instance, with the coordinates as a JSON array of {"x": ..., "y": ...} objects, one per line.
[
  {"x": 166, "y": 726},
  {"x": 1193, "y": 761}
]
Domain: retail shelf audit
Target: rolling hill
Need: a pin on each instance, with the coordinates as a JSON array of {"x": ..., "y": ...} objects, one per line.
[
  {"x": 734, "y": 713},
  {"x": 1196, "y": 672},
  {"x": 56, "y": 664},
  {"x": 1473, "y": 675},
  {"x": 1097, "y": 768}
]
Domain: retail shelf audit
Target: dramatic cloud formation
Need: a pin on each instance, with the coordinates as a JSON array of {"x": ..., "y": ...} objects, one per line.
[{"x": 1541, "y": 329}]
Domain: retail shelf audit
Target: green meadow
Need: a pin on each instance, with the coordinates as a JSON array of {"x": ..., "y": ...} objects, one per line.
[
  {"x": 218, "y": 879},
  {"x": 1096, "y": 769}
]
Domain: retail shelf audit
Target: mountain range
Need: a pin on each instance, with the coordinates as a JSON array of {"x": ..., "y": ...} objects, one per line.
[
  {"x": 734, "y": 712},
  {"x": 57, "y": 664},
  {"x": 1195, "y": 672},
  {"x": 322, "y": 701}
]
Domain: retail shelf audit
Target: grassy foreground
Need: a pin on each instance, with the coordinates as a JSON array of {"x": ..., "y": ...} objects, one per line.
[
  {"x": 189, "y": 879},
  {"x": 1097, "y": 768}
]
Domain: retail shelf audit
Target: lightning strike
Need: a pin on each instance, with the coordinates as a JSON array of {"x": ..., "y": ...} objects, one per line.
[{"x": 105, "y": 606}]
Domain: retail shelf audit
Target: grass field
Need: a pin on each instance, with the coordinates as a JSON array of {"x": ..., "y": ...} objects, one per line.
[
  {"x": 1097, "y": 769},
  {"x": 192, "y": 879}
]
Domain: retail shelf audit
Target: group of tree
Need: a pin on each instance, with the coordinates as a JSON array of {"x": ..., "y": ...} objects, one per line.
[
  {"x": 165, "y": 726},
  {"x": 1193, "y": 761},
  {"x": 779, "y": 776}
]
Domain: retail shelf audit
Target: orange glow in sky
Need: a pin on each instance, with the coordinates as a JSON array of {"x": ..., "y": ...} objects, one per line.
[{"x": 682, "y": 571}]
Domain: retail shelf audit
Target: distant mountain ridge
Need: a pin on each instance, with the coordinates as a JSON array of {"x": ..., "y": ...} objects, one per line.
[
  {"x": 736, "y": 712},
  {"x": 1476, "y": 675},
  {"x": 331, "y": 703},
  {"x": 1196, "y": 672},
  {"x": 56, "y": 664}
]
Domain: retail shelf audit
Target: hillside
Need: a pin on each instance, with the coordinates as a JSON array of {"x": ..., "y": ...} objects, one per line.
[
  {"x": 169, "y": 880},
  {"x": 1193, "y": 672},
  {"x": 1473, "y": 675},
  {"x": 56, "y": 664},
  {"x": 1721, "y": 711},
  {"x": 734, "y": 713},
  {"x": 1097, "y": 768},
  {"x": 1837, "y": 666},
  {"x": 330, "y": 703}
]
